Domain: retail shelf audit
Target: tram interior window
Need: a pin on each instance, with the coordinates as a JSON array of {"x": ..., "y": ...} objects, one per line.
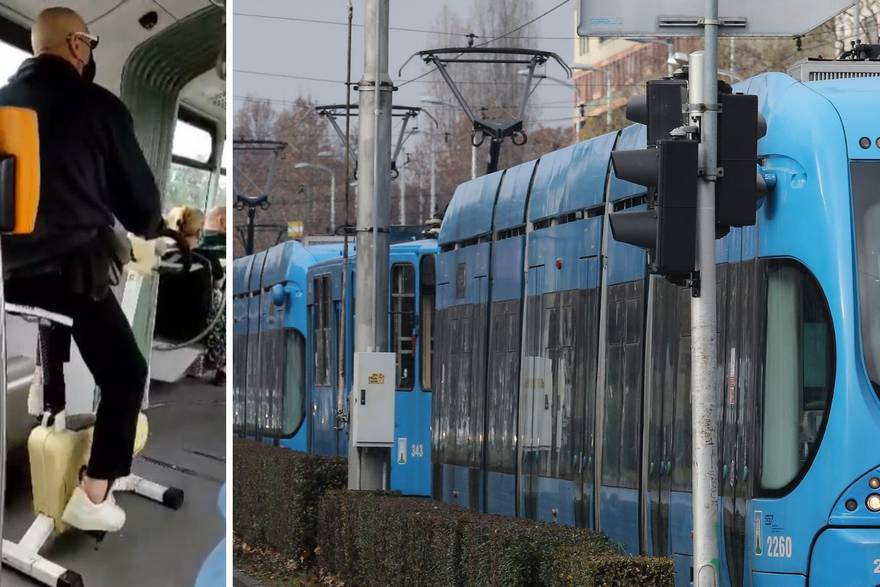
[
  {"x": 403, "y": 321},
  {"x": 189, "y": 178},
  {"x": 321, "y": 326},
  {"x": 798, "y": 373},
  {"x": 294, "y": 382},
  {"x": 11, "y": 58},
  {"x": 219, "y": 198},
  {"x": 426, "y": 329}
]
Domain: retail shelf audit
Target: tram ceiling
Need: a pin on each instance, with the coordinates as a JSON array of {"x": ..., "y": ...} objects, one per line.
[{"x": 122, "y": 25}]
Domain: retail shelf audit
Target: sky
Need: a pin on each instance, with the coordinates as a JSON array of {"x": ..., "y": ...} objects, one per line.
[{"x": 315, "y": 50}]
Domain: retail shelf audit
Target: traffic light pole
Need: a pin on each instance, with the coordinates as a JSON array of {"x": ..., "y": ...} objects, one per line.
[{"x": 703, "y": 100}]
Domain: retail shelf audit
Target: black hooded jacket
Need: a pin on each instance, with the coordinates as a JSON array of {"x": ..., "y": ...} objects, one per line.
[{"x": 91, "y": 167}]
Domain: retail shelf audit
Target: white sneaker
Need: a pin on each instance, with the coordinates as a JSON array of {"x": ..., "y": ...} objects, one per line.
[{"x": 82, "y": 513}]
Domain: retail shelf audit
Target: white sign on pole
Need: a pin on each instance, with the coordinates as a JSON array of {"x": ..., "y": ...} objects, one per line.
[{"x": 683, "y": 18}]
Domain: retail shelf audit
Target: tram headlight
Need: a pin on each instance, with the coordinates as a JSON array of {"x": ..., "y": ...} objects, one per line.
[
  {"x": 874, "y": 482},
  {"x": 873, "y": 502}
]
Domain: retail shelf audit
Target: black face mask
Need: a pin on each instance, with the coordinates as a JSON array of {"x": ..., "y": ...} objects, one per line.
[{"x": 89, "y": 69}]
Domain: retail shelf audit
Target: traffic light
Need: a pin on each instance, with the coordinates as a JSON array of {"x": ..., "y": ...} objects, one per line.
[
  {"x": 736, "y": 190},
  {"x": 668, "y": 169},
  {"x": 660, "y": 109},
  {"x": 668, "y": 228}
]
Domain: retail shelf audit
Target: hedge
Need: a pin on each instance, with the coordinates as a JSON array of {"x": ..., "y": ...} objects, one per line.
[
  {"x": 276, "y": 493},
  {"x": 574, "y": 565},
  {"x": 372, "y": 539}
]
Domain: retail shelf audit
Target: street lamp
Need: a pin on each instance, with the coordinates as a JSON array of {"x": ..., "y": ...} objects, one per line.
[
  {"x": 584, "y": 67},
  {"x": 439, "y": 102},
  {"x": 332, "y": 189}
]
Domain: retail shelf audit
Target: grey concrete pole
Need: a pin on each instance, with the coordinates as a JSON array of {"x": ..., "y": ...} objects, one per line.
[
  {"x": 607, "y": 99},
  {"x": 703, "y": 98},
  {"x": 402, "y": 203},
  {"x": 473, "y": 162},
  {"x": 433, "y": 204},
  {"x": 368, "y": 467},
  {"x": 332, "y": 202},
  {"x": 858, "y": 18}
]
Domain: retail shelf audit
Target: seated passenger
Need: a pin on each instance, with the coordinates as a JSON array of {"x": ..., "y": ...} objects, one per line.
[
  {"x": 188, "y": 221},
  {"x": 213, "y": 247},
  {"x": 214, "y": 235},
  {"x": 91, "y": 170}
]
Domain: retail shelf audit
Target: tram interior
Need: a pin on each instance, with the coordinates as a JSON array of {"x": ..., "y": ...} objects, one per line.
[{"x": 166, "y": 61}]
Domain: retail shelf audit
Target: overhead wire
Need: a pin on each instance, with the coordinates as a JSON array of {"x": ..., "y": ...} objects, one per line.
[
  {"x": 492, "y": 40},
  {"x": 396, "y": 28}
]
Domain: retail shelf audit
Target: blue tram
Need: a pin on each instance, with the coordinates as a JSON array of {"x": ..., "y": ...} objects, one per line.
[
  {"x": 269, "y": 329},
  {"x": 287, "y": 324},
  {"x": 562, "y": 367},
  {"x": 412, "y": 291}
]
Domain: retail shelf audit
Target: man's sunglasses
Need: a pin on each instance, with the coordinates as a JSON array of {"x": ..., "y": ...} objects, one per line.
[{"x": 92, "y": 40}]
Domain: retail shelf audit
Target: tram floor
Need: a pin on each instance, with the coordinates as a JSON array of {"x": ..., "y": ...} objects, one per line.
[{"x": 158, "y": 547}]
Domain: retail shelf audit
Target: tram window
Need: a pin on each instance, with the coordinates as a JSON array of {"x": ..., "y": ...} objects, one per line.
[
  {"x": 220, "y": 195},
  {"x": 192, "y": 142},
  {"x": 682, "y": 461},
  {"x": 189, "y": 179},
  {"x": 623, "y": 379},
  {"x": 403, "y": 322},
  {"x": 10, "y": 59},
  {"x": 865, "y": 177},
  {"x": 321, "y": 329},
  {"x": 503, "y": 382},
  {"x": 426, "y": 330},
  {"x": 294, "y": 383},
  {"x": 798, "y": 373}
]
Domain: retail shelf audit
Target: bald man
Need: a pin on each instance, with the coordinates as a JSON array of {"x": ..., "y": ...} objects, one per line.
[{"x": 92, "y": 171}]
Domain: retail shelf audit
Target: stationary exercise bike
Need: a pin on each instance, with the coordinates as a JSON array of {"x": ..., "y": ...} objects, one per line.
[{"x": 59, "y": 446}]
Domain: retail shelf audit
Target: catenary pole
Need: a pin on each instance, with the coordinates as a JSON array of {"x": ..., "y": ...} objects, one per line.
[
  {"x": 343, "y": 321},
  {"x": 368, "y": 467}
]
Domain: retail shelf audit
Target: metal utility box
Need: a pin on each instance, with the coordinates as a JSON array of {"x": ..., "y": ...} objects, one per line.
[{"x": 372, "y": 399}]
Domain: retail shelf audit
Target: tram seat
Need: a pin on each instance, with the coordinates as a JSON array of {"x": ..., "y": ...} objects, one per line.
[{"x": 184, "y": 301}]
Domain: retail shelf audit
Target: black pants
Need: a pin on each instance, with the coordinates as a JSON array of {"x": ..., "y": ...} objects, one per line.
[{"x": 109, "y": 349}]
